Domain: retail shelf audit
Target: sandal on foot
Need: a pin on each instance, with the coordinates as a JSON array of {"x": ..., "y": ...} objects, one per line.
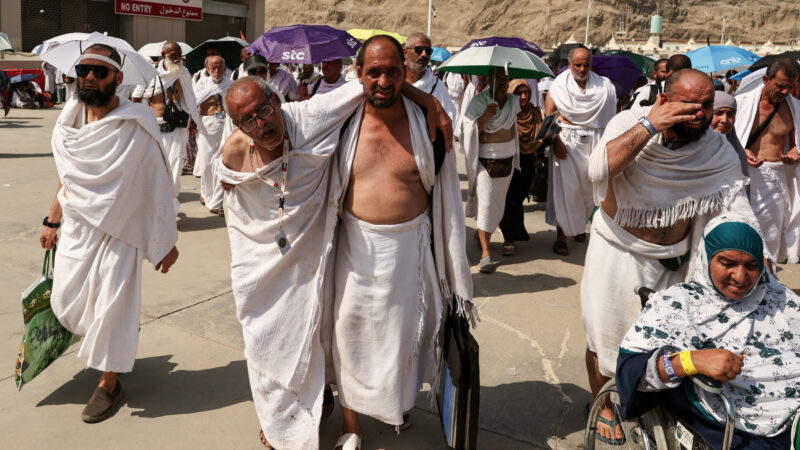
[
  {"x": 327, "y": 402},
  {"x": 580, "y": 237},
  {"x": 508, "y": 250},
  {"x": 349, "y": 441},
  {"x": 103, "y": 404},
  {"x": 263, "y": 439},
  {"x": 406, "y": 422},
  {"x": 486, "y": 265},
  {"x": 560, "y": 248},
  {"x": 219, "y": 212},
  {"x": 613, "y": 426}
]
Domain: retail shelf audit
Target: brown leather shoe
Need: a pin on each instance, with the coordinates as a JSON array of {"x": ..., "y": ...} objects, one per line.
[{"x": 103, "y": 404}]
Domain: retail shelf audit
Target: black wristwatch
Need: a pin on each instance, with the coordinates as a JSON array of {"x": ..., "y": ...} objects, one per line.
[{"x": 50, "y": 224}]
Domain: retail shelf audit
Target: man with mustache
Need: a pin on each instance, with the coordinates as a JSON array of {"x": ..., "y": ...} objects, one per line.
[
  {"x": 400, "y": 256},
  {"x": 768, "y": 124},
  {"x": 209, "y": 92},
  {"x": 172, "y": 86},
  {"x": 585, "y": 102},
  {"x": 418, "y": 55},
  {"x": 658, "y": 182},
  {"x": 281, "y": 214},
  {"x": 115, "y": 195}
]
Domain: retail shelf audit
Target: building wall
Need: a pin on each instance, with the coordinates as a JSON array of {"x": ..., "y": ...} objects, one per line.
[{"x": 10, "y": 12}]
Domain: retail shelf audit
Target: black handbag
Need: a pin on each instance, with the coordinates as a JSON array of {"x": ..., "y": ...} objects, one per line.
[
  {"x": 173, "y": 115},
  {"x": 458, "y": 393}
]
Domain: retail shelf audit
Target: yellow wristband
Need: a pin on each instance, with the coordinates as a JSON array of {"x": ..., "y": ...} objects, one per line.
[{"x": 687, "y": 364}]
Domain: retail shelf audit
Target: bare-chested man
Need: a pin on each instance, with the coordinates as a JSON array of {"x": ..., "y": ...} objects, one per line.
[
  {"x": 771, "y": 151},
  {"x": 172, "y": 85},
  {"x": 389, "y": 287},
  {"x": 209, "y": 92},
  {"x": 652, "y": 212}
]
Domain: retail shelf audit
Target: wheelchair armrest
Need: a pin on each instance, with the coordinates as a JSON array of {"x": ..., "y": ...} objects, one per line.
[
  {"x": 644, "y": 294},
  {"x": 707, "y": 384}
]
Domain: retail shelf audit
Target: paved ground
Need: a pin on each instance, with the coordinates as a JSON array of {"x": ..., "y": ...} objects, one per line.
[{"x": 189, "y": 386}]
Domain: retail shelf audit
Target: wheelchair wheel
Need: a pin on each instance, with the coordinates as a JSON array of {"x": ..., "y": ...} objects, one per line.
[{"x": 635, "y": 436}]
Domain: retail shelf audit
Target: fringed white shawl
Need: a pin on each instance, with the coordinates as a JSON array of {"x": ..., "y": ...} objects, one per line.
[
  {"x": 589, "y": 108},
  {"x": 664, "y": 186},
  {"x": 206, "y": 87}
]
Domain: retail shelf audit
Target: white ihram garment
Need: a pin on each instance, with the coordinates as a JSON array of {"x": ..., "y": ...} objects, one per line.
[
  {"x": 117, "y": 209},
  {"x": 208, "y": 142},
  {"x": 588, "y": 111},
  {"x": 285, "y": 84},
  {"x": 486, "y": 196},
  {"x": 771, "y": 199},
  {"x": 431, "y": 85},
  {"x": 278, "y": 297},
  {"x": 386, "y": 321},
  {"x": 789, "y": 239},
  {"x": 661, "y": 187}
]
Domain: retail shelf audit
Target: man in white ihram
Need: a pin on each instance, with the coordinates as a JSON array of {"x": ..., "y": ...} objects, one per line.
[
  {"x": 173, "y": 85},
  {"x": 115, "y": 195},
  {"x": 418, "y": 55},
  {"x": 585, "y": 102},
  {"x": 209, "y": 92}
]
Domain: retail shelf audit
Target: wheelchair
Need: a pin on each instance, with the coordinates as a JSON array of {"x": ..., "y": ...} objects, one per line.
[{"x": 658, "y": 428}]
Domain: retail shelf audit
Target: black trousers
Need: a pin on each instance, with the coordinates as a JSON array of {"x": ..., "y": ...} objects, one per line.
[{"x": 513, "y": 224}]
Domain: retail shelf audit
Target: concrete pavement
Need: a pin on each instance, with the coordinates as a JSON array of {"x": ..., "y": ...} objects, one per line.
[{"x": 189, "y": 386}]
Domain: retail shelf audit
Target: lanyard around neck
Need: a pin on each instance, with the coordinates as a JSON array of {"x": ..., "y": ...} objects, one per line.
[{"x": 284, "y": 169}]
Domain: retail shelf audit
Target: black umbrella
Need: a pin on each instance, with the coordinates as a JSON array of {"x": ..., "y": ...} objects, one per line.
[
  {"x": 767, "y": 60},
  {"x": 557, "y": 59}
]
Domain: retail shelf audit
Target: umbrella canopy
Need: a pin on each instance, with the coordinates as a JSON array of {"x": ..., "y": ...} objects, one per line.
[
  {"x": 54, "y": 42},
  {"x": 440, "y": 54},
  {"x": 510, "y": 42},
  {"x": 479, "y": 60},
  {"x": 644, "y": 63},
  {"x": 715, "y": 58},
  {"x": 153, "y": 49},
  {"x": 5, "y": 43},
  {"x": 304, "y": 44},
  {"x": 364, "y": 34},
  {"x": 135, "y": 68},
  {"x": 620, "y": 70},
  {"x": 23, "y": 77},
  {"x": 767, "y": 60},
  {"x": 230, "y": 49}
]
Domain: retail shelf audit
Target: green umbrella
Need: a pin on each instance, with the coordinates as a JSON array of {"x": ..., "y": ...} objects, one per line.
[
  {"x": 229, "y": 47},
  {"x": 480, "y": 60},
  {"x": 644, "y": 63}
]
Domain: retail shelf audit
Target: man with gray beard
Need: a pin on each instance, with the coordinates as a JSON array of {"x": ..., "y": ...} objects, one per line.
[
  {"x": 171, "y": 92},
  {"x": 418, "y": 52}
]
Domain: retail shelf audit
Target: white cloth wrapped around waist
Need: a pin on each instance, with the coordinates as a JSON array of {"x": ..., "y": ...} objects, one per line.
[{"x": 498, "y": 150}]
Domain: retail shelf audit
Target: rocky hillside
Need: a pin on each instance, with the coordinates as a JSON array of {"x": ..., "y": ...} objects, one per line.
[{"x": 457, "y": 21}]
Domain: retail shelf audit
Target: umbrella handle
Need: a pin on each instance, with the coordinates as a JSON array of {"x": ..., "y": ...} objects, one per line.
[{"x": 506, "y": 66}]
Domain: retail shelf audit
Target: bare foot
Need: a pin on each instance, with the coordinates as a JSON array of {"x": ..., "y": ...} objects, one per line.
[{"x": 264, "y": 441}]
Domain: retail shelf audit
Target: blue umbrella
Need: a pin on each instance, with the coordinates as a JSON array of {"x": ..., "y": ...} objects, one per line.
[
  {"x": 512, "y": 42},
  {"x": 304, "y": 44},
  {"x": 716, "y": 58},
  {"x": 22, "y": 77},
  {"x": 440, "y": 54}
]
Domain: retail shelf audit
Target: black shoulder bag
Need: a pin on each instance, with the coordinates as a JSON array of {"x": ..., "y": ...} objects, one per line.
[
  {"x": 761, "y": 127},
  {"x": 172, "y": 114}
]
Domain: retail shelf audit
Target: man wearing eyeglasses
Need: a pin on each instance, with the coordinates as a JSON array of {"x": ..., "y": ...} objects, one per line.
[
  {"x": 171, "y": 92},
  {"x": 114, "y": 208},
  {"x": 281, "y": 230},
  {"x": 418, "y": 52}
]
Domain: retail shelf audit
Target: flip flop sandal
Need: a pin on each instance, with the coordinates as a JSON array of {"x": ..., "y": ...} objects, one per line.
[
  {"x": 349, "y": 441},
  {"x": 508, "y": 250},
  {"x": 560, "y": 248},
  {"x": 580, "y": 237},
  {"x": 613, "y": 426},
  {"x": 327, "y": 402},
  {"x": 486, "y": 265},
  {"x": 262, "y": 439}
]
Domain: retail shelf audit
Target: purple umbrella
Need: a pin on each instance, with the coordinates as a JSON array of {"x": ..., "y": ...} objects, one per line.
[
  {"x": 512, "y": 42},
  {"x": 620, "y": 70},
  {"x": 304, "y": 44}
]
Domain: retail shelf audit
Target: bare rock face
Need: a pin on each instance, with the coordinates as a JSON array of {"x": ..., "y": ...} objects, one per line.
[{"x": 457, "y": 21}]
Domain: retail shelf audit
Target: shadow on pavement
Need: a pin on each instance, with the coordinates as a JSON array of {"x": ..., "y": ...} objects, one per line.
[
  {"x": 533, "y": 411},
  {"x": 188, "y": 197},
  {"x": 500, "y": 283},
  {"x": 25, "y": 155},
  {"x": 10, "y": 123},
  {"x": 186, "y": 223},
  {"x": 156, "y": 389}
]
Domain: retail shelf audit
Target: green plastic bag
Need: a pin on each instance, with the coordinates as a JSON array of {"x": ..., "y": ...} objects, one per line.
[{"x": 45, "y": 339}]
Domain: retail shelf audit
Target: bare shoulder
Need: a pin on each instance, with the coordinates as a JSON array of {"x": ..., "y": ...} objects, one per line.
[{"x": 235, "y": 149}]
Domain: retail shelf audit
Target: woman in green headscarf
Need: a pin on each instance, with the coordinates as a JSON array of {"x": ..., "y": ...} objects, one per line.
[{"x": 732, "y": 321}]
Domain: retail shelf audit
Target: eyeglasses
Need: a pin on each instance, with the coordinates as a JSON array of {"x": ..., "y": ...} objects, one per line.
[
  {"x": 100, "y": 72},
  {"x": 263, "y": 114},
  {"x": 260, "y": 71},
  {"x": 420, "y": 48}
]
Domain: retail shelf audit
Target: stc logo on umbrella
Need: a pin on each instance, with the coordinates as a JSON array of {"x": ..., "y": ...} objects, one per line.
[
  {"x": 731, "y": 60},
  {"x": 294, "y": 55}
]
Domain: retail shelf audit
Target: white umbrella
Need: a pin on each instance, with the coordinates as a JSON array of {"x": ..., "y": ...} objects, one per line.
[
  {"x": 54, "y": 42},
  {"x": 153, "y": 49},
  {"x": 5, "y": 43},
  {"x": 135, "y": 68}
]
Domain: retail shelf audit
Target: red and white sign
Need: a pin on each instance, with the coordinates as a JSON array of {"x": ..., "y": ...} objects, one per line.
[{"x": 171, "y": 9}]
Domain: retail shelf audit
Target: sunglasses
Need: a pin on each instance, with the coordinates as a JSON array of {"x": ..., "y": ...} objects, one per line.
[
  {"x": 260, "y": 71},
  {"x": 100, "y": 72},
  {"x": 420, "y": 48},
  {"x": 263, "y": 113}
]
